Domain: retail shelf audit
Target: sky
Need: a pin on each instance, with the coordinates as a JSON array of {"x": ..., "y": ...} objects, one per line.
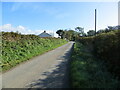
[
  {"x": 119, "y": 13},
  {"x": 35, "y": 17}
]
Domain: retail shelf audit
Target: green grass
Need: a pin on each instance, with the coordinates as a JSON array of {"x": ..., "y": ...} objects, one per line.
[
  {"x": 88, "y": 72},
  {"x": 18, "y": 48}
]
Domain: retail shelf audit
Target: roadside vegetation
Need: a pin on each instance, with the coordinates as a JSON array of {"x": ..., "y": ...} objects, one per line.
[
  {"x": 17, "y": 48},
  {"x": 106, "y": 46},
  {"x": 96, "y": 57},
  {"x": 95, "y": 61},
  {"x": 87, "y": 71}
]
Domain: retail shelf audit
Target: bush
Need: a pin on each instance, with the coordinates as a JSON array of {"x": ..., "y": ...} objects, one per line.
[
  {"x": 88, "y": 72},
  {"x": 106, "y": 46},
  {"x": 17, "y": 48}
]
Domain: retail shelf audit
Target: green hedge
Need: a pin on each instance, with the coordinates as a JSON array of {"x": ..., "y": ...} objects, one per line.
[
  {"x": 17, "y": 48},
  {"x": 106, "y": 46},
  {"x": 88, "y": 72}
]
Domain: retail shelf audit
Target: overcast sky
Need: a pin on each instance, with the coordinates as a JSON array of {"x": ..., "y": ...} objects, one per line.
[{"x": 34, "y": 17}]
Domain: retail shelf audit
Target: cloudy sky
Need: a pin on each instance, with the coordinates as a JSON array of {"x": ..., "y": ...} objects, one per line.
[{"x": 35, "y": 17}]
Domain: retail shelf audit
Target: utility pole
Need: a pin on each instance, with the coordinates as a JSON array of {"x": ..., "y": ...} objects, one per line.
[{"x": 95, "y": 20}]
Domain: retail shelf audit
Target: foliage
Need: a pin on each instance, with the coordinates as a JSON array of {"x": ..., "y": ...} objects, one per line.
[
  {"x": 88, "y": 72},
  {"x": 91, "y": 33},
  {"x": 60, "y": 33},
  {"x": 106, "y": 46},
  {"x": 17, "y": 48},
  {"x": 80, "y": 30},
  {"x": 101, "y": 31},
  {"x": 109, "y": 29},
  {"x": 71, "y": 35}
]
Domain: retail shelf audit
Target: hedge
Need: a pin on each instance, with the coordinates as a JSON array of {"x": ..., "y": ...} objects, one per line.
[
  {"x": 106, "y": 46},
  {"x": 17, "y": 48}
]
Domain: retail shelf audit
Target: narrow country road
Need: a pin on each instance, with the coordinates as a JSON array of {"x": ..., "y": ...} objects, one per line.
[{"x": 45, "y": 71}]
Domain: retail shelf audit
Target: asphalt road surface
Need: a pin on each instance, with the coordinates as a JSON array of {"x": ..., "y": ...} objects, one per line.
[{"x": 49, "y": 70}]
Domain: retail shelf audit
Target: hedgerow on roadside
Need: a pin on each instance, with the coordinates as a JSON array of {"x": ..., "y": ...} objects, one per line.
[
  {"x": 106, "y": 46},
  {"x": 88, "y": 72},
  {"x": 17, "y": 48}
]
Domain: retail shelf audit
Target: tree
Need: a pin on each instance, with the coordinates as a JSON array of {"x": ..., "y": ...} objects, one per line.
[
  {"x": 84, "y": 35},
  {"x": 60, "y": 33},
  {"x": 110, "y": 28},
  {"x": 118, "y": 27},
  {"x": 80, "y": 30},
  {"x": 70, "y": 35},
  {"x": 101, "y": 31},
  {"x": 91, "y": 32}
]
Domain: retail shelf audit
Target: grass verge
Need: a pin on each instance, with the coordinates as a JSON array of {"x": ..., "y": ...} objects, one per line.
[{"x": 88, "y": 72}]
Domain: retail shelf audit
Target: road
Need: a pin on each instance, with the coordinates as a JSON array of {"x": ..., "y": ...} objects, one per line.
[{"x": 48, "y": 70}]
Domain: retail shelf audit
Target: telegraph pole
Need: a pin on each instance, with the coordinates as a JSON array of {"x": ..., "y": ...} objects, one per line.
[{"x": 95, "y": 20}]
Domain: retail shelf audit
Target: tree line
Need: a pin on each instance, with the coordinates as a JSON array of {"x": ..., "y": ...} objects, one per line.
[{"x": 72, "y": 35}]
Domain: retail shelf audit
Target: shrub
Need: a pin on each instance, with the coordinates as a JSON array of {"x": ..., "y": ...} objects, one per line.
[
  {"x": 88, "y": 72},
  {"x": 17, "y": 48},
  {"x": 106, "y": 46}
]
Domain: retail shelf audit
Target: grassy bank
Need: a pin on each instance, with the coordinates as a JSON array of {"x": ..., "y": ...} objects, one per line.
[
  {"x": 17, "y": 48},
  {"x": 106, "y": 46},
  {"x": 88, "y": 72}
]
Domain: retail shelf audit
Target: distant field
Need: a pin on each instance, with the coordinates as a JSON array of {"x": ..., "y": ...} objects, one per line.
[{"x": 17, "y": 48}]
